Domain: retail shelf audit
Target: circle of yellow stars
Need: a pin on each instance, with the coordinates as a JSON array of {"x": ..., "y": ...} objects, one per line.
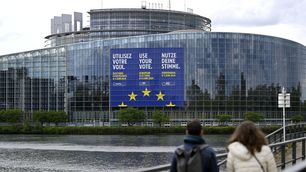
[{"x": 160, "y": 97}]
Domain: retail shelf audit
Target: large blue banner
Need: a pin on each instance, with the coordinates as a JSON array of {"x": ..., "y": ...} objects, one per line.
[{"x": 146, "y": 77}]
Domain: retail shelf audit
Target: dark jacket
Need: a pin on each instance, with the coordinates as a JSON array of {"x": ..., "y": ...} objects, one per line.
[{"x": 208, "y": 154}]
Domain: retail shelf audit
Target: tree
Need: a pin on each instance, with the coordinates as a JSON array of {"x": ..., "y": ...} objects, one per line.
[
  {"x": 10, "y": 115},
  {"x": 296, "y": 118},
  {"x": 160, "y": 118},
  {"x": 57, "y": 117},
  {"x": 40, "y": 116},
  {"x": 131, "y": 116},
  {"x": 224, "y": 118},
  {"x": 13, "y": 115},
  {"x": 50, "y": 116},
  {"x": 253, "y": 116}
]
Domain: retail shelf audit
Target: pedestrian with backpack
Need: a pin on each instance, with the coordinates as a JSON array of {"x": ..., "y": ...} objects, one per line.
[
  {"x": 249, "y": 150},
  {"x": 194, "y": 155}
]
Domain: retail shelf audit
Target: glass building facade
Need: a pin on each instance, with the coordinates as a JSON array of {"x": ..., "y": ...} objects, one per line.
[
  {"x": 112, "y": 23},
  {"x": 33, "y": 80},
  {"x": 224, "y": 73},
  {"x": 145, "y": 21}
]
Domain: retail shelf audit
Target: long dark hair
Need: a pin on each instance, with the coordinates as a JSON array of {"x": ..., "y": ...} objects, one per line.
[{"x": 250, "y": 136}]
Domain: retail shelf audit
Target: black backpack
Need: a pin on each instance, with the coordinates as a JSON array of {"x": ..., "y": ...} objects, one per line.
[{"x": 190, "y": 161}]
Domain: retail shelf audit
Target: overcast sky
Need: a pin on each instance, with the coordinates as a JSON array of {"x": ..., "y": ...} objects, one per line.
[{"x": 25, "y": 23}]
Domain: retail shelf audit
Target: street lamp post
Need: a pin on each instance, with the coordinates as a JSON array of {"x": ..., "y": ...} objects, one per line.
[{"x": 284, "y": 102}]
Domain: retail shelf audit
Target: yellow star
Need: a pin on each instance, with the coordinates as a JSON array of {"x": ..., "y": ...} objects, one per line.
[
  {"x": 170, "y": 104},
  {"x": 132, "y": 96},
  {"x": 122, "y": 105},
  {"x": 146, "y": 92},
  {"x": 160, "y": 96}
]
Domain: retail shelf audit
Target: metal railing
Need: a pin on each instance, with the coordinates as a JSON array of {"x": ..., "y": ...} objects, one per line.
[
  {"x": 282, "y": 152},
  {"x": 293, "y": 131},
  {"x": 283, "y": 159}
]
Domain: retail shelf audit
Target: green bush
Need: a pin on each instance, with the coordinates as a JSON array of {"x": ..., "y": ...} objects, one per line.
[
  {"x": 269, "y": 129},
  {"x": 219, "y": 130},
  {"x": 40, "y": 116},
  {"x": 10, "y": 115},
  {"x": 103, "y": 130}
]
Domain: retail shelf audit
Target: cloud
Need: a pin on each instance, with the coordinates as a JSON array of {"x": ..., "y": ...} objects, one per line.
[
  {"x": 9, "y": 36},
  {"x": 259, "y": 12},
  {"x": 283, "y": 18},
  {"x": 293, "y": 11},
  {"x": 247, "y": 13}
]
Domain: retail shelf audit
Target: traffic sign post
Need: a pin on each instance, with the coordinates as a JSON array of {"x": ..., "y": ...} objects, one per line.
[{"x": 284, "y": 102}]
